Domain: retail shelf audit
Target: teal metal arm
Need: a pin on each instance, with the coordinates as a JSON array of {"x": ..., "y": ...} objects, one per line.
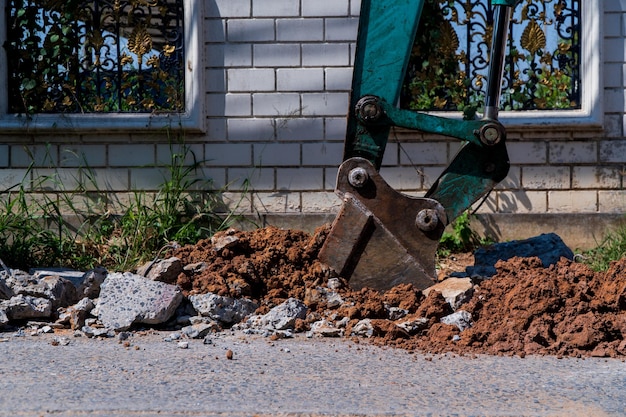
[{"x": 385, "y": 39}]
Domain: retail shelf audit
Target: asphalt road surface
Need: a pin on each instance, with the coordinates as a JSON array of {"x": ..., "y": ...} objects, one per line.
[{"x": 147, "y": 377}]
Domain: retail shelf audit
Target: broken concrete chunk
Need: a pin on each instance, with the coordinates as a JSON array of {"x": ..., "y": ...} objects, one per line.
[
  {"x": 163, "y": 270},
  {"x": 60, "y": 291},
  {"x": 284, "y": 315},
  {"x": 224, "y": 309},
  {"x": 461, "y": 319},
  {"x": 324, "y": 328},
  {"x": 414, "y": 326},
  {"x": 363, "y": 328},
  {"x": 224, "y": 239},
  {"x": 91, "y": 282},
  {"x": 455, "y": 291},
  {"x": 126, "y": 299},
  {"x": 547, "y": 247},
  {"x": 5, "y": 291},
  {"x": 22, "y": 307}
]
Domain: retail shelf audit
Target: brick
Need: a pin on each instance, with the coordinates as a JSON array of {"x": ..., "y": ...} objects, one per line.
[
  {"x": 299, "y": 30},
  {"x": 276, "y": 104},
  {"x": 613, "y": 75},
  {"x": 147, "y": 178},
  {"x": 327, "y": 55},
  {"x": 35, "y": 155},
  {"x": 276, "y": 55},
  {"x": 391, "y": 156},
  {"x": 487, "y": 206},
  {"x": 228, "y": 154},
  {"x": 355, "y": 7},
  {"x": 251, "y": 179},
  {"x": 545, "y": 177},
  {"x": 402, "y": 178},
  {"x": 573, "y": 152},
  {"x": 235, "y": 104},
  {"x": 214, "y": 30},
  {"x": 275, "y": 8},
  {"x": 335, "y": 128},
  {"x": 596, "y": 177},
  {"x": 612, "y": 24},
  {"x": 281, "y": 202},
  {"x": 424, "y": 153},
  {"x": 4, "y": 156},
  {"x": 612, "y": 201},
  {"x": 211, "y": 179},
  {"x": 215, "y": 80},
  {"x": 613, "y": 50},
  {"x": 276, "y": 154},
  {"x": 109, "y": 179},
  {"x": 131, "y": 155},
  {"x": 527, "y": 152},
  {"x": 522, "y": 201},
  {"x": 320, "y": 202},
  {"x": 233, "y": 8},
  {"x": 322, "y": 154},
  {"x": 614, "y": 5},
  {"x": 324, "y": 8},
  {"x": 342, "y": 29},
  {"x": 300, "y": 129},
  {"x": 324, "y": 104},
  {"x": 330, "y": 178},
  {"x": 512, "y": 180},
  {"x": 83, "y": 156},
  {"x": 250, "y": 30},
  {"x": 613, "y": 125},
  {"x": 430, "y": 176},
  {"x": 614, "y": 100},
  {"x": 572, "y": 201},
  {"x": 251, "y": 79},
  {"x": 338, "y": 79},
  {"x": 229, "y": 55},
  {"x": 612, "y": 151},
  {"x": 235, "y": 203},
  {"x": 300, "y": 79},
  {"x": 293, "y": 179},
  {"x": 173, "y": 153},
  {"x": 250, "y": 129},
  {"x": 217, "y": 127}
]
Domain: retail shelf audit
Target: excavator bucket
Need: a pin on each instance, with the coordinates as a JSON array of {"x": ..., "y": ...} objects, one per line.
[{"x": 381, "y": 238}]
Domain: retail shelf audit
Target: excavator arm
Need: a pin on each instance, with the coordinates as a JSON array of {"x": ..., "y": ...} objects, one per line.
[{"x": 382, "y": 238}]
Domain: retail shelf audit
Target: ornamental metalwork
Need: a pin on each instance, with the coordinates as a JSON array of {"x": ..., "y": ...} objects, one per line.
[
  {"x": 76, "y": 56},
  {"x": 449, "y": 60}
]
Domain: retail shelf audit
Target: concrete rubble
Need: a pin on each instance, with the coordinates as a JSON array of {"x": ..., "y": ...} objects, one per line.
[{"x": 98, "y": 303}]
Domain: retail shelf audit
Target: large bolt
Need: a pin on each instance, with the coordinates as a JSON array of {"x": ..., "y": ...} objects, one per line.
[
  {"x": 357, "y": 177},
  {"x": 491, "y": 134},
  {"x": 368, "y": 109},
  {"x": 427, "y": 220}
]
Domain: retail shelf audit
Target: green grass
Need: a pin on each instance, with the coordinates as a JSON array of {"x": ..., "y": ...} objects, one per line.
[
  {"x": 612, "y": 248},
  {"x": 43, "y": 223}
]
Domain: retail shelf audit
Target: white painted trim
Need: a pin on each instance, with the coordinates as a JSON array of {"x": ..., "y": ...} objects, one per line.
[
  {"x": 591, "y": 113},
  {"x": 191, "y": 120}
]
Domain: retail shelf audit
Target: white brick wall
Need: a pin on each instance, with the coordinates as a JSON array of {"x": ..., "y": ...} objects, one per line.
[{"x": 277, "y": 81}]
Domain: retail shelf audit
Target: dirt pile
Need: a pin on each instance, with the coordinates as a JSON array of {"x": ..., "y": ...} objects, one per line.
[{"x": 565, "y": 309}]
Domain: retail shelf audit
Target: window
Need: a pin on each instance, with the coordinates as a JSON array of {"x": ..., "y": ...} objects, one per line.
[
  {"x": 79, "y": 62},
  {"x": 548, "y": 68}
]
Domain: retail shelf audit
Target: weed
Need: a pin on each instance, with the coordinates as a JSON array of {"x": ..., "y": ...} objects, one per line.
[
  {"x": 612, "y": 248},
  {"x": 36, "y": 231},
  {"x": 460, "y": 237}
]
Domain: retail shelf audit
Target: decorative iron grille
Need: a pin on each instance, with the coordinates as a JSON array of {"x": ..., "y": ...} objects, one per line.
[
  {"x": 76, "y": 56},
  {"x": 449, "y": 63}
]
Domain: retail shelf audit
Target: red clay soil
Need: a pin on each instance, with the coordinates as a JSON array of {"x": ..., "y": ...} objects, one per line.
[{"x": 566, "y": 309}]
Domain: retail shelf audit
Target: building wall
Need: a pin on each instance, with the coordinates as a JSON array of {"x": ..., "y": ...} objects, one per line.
[{"x": 277, "y": 80}]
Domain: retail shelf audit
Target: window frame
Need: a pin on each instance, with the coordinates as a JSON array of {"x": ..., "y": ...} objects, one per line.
[
  {"x": 191, "y": 119},
  {"x": 591, "y": 112}
]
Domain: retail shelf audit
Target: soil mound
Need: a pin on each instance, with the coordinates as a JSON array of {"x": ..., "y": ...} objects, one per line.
[{"x": 565, "y": 309}]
